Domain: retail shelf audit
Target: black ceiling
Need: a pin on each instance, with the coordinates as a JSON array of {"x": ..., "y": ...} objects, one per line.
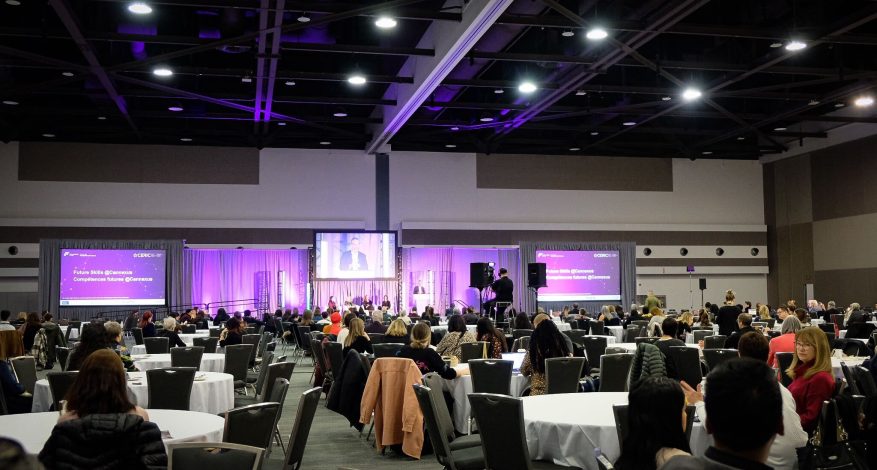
[{"x": 83, "y": 71}]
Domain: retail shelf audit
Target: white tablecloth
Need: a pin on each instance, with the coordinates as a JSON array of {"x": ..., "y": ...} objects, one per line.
[
  {"x": 816, "y": 321},
  {"x": 33, "y": 430},
  {"x": 210, "y": 362},
  {"x": 461, "y": 387},
  {"x": 563, "y": 326},
  {"x": 212, "y": 392},
  {"x": 618, "y": 331},
  {"x": 851, "y": 362},
  {"x": 565, "y": 428}
]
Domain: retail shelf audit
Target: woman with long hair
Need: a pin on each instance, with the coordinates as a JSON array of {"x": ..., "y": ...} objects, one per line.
[
  {"x": 656, "y": 420},
  {"x": 232, "y": 334},
  {"x": 496, "y": 342},
  {"x": 29, "y": 330},
  {"x": 704, "y": 319},
  {"x": 522, "y": 322},
  {"x": 426, "y": 358},
  {"x": 546, "y": 342},
  {"x": 93, "y": 338},
  {"x": 451, "y": 343},
  {"x": 357, "y": 338},
  {"x": 146, "y": 325},
  {"x": 812, "y": 381},
  {"x": 397, "y": 332},
  {"x": 307, "y": 318},
  {"x": 100, "y": 388}
]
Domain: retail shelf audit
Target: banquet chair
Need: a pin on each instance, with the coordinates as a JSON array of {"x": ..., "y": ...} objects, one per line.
[
  {"x": 520, "y": 332},
  {"x": 209, "y": 344},
  {"x": 190, "y": 356},
  {"x": 251, "y": 425},
  {"x": 264, "y": 343},
  {"x": 4, "y": 410},
  {"x": 170, "y": 388},
  {"x": 335, "y": 357},
  {"x": 304, "y": 338},
  {"x": 25, "y": 368},
  {"x": 632, "y": 332},
  {"x": 320, "y": 361},
  {"x": 190, "y": 329},
  {"x": 614, "y": 369},
  {"x": 598, "y": 328},
  {"x": 595, "y": 347},
  {"x": 603, "y": 463},
  {"x": 278, "y": 395},
  {"x": 826, "y": 327},
  {"x": 258, "y": 378},
  {"x": 714, "y": 357},
  {"x": 61, "y": 355},
  {"x": 576, "y": 335},
  {"x": 278, "y": 370},
  {"x": 376, "y": 338},
  {"x": 622, "y": 423},
  {"x": 252, "y": 339},
  {"x": 701, "y": 334},
  {"x": 213, "y": 455},
  {"x": 137, "y": 332},
  {"x": 852, "y": 383},
  {"x": 476, "y": 350},
  {"x": 562, "y": 374},
  {"x": 386, "y": 349},
  {"x": 830, "y": 336},
  {"x": 59, "y": 383},
  {"x": 250, "y": 330},
  {"x": 784, "y": 360},
  {"x": 521, "y": 343},
  {"x": 714, "y": 342},
  {"x": 215, "y": 332},
  {"x": 301, "y": 429},
  {"x": 465, "y": 458},
  {"x": 435, "y": 383},
  {"x": 491, "y": 376},
  {"x": 501, "y": 423},
  {"x": 236, "y": 360},
  {"x": 158, "y": 345},
  {"x": 616, "y": 350},
  {"x": 771, "y": 322},
  {"x": 687, "y": 361},
  {"x": 864, "y": 381}
]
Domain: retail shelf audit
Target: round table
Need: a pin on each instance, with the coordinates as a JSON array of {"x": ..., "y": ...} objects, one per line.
[
  {"x": 212, "y": 392},
  {"x": 33, "y": 430},
  {"x": 461, "y": 387},
  {"x": 210, "y": 362},
  {"x": 618, "y": 332},
  {"x": 565, "y": 428},
  {"x": 851, "y": 362}
]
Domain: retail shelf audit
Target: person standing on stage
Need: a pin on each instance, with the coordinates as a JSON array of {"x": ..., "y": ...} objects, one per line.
[{"x": 503, "y": 289}]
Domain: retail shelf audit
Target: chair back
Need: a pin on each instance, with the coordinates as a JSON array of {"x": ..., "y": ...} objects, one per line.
[
  {"x": 213, "y": 455},
  {"x": 386, "y": 349},
  {"x": 319, "y": 357},
  {"x": 215, "y": 333},
  {"x": 826, "y": 327},
  {"x": 501, "y": 424},
  {"x": 301, "y": 429},
  {"x": 838, "y": 320},
  {"x": 254, "y": 340},
  {"x": 576, "y": 335},
  {"x": 491, "y": 376},
  {"x": 251, "y": 425},
  {"x": 278, "y": 395},
  {"x": 334, "y": 352},
  {"x": 61, "y": 355},
  {"x": 521, "y": 332},
  {"x": 562, "y": 374},
  {"x": 521, "y": 343},
  {"x": 687, "y": 361},
  {"x": 209, "y": 344},
  {"x": 614, "y": 370},
  {"x": 263, "y": 372},
  {"x": 701, "y": 334},
  {"x": 190, "y": 329},
  {"x": 632, "y": 332},
  {"x": 250, "y": 330},
  {"x": 646, "y": 339},
  {"x": 4, "y": 410},
  {"x": 714, "y": 342},
  {"x": 278, "y": 370},
  {"x": 852, "y": 383},
  {"x": 157, "y": 345},
  {"x": 137, "y": 332},
  {"x": 237, "y": 358},
  {"x": 25, "y": 368},
  {"x": 263, "y": 344},
  {"x": 622, "y": 423},
  {"x": 714, "y": 357},
  {"x": 170, "y": 388},
  {"x": 436, "y": 384},
  {"x": 474, "y": 350},
  {"x": 437, "y": 436},
  {"x": 190, "y": 356},
  {"x": 598, "y": 328},
  {"x": 376, "y": 338},
  {"x": 784, "y": 360},
  {"x": 59, "y": 383},
  {"x": 864, "y": 381},
  {"x": 771, "y": 322},
  {"x": 595, "y": 347}
]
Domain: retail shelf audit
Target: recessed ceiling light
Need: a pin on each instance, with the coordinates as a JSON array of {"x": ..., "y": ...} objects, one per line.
[
  {"x": 101, "y": 118},
  {"x": 574, "y": 149},
  {"x": 813, "y": 102},
  {"x": 67, "y": 74},
  {"x": 325, "y": 142},
  {"x": 795, "y": 45},
  {"x": 385, "y": 22},
  {"x": 246, "y": 80},
  {"x": 839, "y": 105},
  {"x": 864, "y": 101},
  {"x": 175, "y": 109},
  {"x": 10, "y": 102},
  {"x": 281, "y": 123},
  {"x": 304, "y": 18},
  {"x": 450, "y": 146},
  {"x": 499, "y": 91},
  {"x": 568, "y": 33},
  {"x": 776, "y": 45},
  {"x": 339, "y": 114},
  {"x": 140, "y": 8},
  {"x": 780, "y": 129},
  {"x": 356, "y": 79},
  {"x": 629, "y": 123},
  {"x": 455, "y": 128},
  {"x": 691, "y": 94},
  {"x": 185, "y": 139},
  {"x": 741, "y": 138},
  {"x": 49, "y": 136},
  {"x": 486, "y": 119},
  {"x": 527, "y": 87},
  {"x": 581, "y": 93},
  {"x": 162, "y": 72},
  {"x": 596, "y": 34},
  {"x": 706, "y": 152},
  {"x": 595, "y": 133},
  {"x": 289, "y": 83},
  {"x": 14, "y": 3},
  {"x": 666, "y": 98}
]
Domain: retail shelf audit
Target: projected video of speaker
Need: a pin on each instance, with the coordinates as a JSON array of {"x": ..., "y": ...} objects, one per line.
[
  {"x": 93, "y": 277},
  {"x": 355, "y": 255},
  {"x": 580, "y": 276}
]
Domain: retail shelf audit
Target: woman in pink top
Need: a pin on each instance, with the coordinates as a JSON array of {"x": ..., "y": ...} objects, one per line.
[{"x": 786, "y": 341}]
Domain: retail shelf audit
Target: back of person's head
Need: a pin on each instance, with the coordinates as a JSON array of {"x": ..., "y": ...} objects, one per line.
[
  {"x": 743, "y": 404},
  {"x": 114, "y": 329},
  {"x": 815, "y": 338},
  {"x": 503, "y": 271},
  {"x": 456, "y": 324},
  {"x": 802, "y": 315},
  {"x": 669, "y": 327},
  {"x": 604, "y": 310},
  {"x": 221, "y": 312},
  {"x": 377, "y": 316},
  {"x": 654, "y": 420},
  {"x": 347, "y": 318},
  {"x": 754, "y": 346},
  {"x": 247, "y": 313},
  {"x": 324, "y": 314},
  {"x": 307, "y": 317},
  {"x": 744, "y": 319},
  {"x": 484, "y": 326},
  {"x": 397, "y": 328},
  {"x": 791, "y": 325},
  {"x": 33, "y": 318},
  {"x": 93, "y": 337},
  {"x": 4, "y": 315},
  {"x": 47, "y": 316},
  {"x": 169, "y": 323},
  {"x": 714, "y": 310},
  {"x": 522, "y": 321},
  {"x": 357, "y": 329},
  {"x": 421, "y": 335},
  {"x": 704, "y": 319},
  {"x": 14, "y": 457},
  {"x": 729, "y": 295},
  {"x": 233, "y": 324},
  {"x": 539, "y": 319},
  {"x": 656, "y": 312},
  {"x": 100, "y": 386},
  {"x": 856, "y": 317},
  {"x": 546, "y": 342}
]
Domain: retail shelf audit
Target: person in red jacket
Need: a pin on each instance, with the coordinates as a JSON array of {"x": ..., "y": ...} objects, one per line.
[{"x": 812, "y": 381}]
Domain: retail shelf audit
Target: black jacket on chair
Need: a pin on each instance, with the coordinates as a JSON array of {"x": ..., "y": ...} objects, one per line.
[
  {"x": 104, "y": 441},
  {"x": 346, "y": 393}
]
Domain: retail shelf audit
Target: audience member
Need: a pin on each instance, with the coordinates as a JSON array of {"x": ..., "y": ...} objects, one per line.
[
  {"x": 726, "y": 317},
  {"x": 496, "y": 342},
  {"x": 857, "y": 327},
  {"x": 784, "y": 342},
  {"x": 471, "y": 318},
  {"x": 803, "y": 316},
  {"x": 147, "y": 327},
  {"x": 54, "y": 337},
  {"x": 744, "y": 325},
  {"x": 397, "y": 332},
  {"x": 782, "y": 314},
  {"x": 546, "y": 342},
  {"x": 668, "y": 338},
  {"x": 93, "y": 338},
  {"x": 170, "y": 332},
  {"x": 307, "y": 318},
  {"x": 4, "y": 320},
  {"x": 457, "y": 334},
  {"x": 812, "y": 381},
  {"x": 763, "y": 312},
  {"x": 703, "y": 320},
  {"x": 324, "y": 318},
  {"x": 131, "y": 320},
  {"x": 656, "y": 420},
  {"x": 376, "y": 324},
  {"x": 117, "y": 344},
  {"x": 684, "y": 324},
  {"x": 221, "y": 316},
  {"x": 403, "y": 315},
  {"x": 426, "y": 358},
  {"x": 608, "y": 316},
  {"x": 522, "y": 322},
  {"x": 29, "y": 329},
  {"x": 345, "y": 327},
  {"x": 17, "y": 399},
  {"x": 334, "y": 327},
  {"x": 655, "y": 322},
  {"x": 357, "y": 338},
  {"x": 232, "y": 334}
]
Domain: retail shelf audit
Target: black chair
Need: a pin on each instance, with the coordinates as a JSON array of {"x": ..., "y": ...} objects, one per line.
[
  {"x": 474, "y": 350},
  {"x": 646, "y": 339},
  {"x": 190, "y": 329},
  {"x": 209, "y": 344},
  {"x": 213, "y": 455},
  {"x": 641, "y": 323},
  {"x": 699, "y": 335},
  {"x": 158, "y": 345},
  {"x": 254, "y": 340},
  {"x": 771, "y": 322},
  {"x": 237, "y": 358},
  {"x": 278, "y": 370},
  {"x": 865, "y": 381},
  {"x": 830, "y": 336},
  {"x": 256, "y": 379},
  {"x": 435, "y": 384},
  {"x": 251, "y": 425},
  {"x": 621, "y": 422},
  {"x": 170, "y": 388},
  {"x": 278, "y": 395},
  {"x": 784, "y": 359},
  {"x": 562, "y": 374},
  {"x": 4, "y": 409},
  {"x": 616, "y": 350},
  {"x": 852, "y": 383},
  {"x": 190, "y": 356},
  {"x": 25, "y": 368},
  {"x": 576, "y": 335},
  {"x": 386, "y": 349},
  {"x": 521, "y": 343},
  {"x": 215, "y": 333},
  {"x": 467, "y": 458},
  {"x": 59, "y": 383},
  {"x": 826, "y": 327},
  {"x": 491, "y": 376},
  {"x": 322, "y": 363},
  {"x": 137, "y": 332},
  {"x": 377, "y": 338},
  {"x": 614, "y": 371},
  {"x": 501, "y": 423},
  {"x": 304, "y": 417},
  {"x": 333, "y": 352},
  {"x": 714, "y": 342},
  {"x": 687, "y": 361},
  {"x": 598, "y": 328},
  {"x": 520, "y": 332},
  {"x": 595, "y": 347},
  {"x": 714, "y": 357},
  {"x": 61, "y": 355},
  {"x": 632, "y": 332}
]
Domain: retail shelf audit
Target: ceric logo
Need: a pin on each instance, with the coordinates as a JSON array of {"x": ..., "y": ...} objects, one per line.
[{"x": 605, "y": 255}]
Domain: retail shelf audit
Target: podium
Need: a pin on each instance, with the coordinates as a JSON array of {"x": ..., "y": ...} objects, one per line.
[{"x": 421, "y": 301}]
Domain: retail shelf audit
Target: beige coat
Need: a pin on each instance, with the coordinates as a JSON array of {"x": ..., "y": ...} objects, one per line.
[{"x": 389, "y": 393}]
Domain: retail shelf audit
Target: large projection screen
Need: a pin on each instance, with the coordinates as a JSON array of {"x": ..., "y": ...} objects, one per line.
[
  {"x": 99, "y": 277},
  {"x": 580, "y": 276},
  {"x": 355, "y": 255}
]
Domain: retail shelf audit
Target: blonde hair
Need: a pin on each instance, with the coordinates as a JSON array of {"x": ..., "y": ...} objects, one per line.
[
  {"x": 355, "y": 329},
  {"x": 169, "y": 323},
  {"x": 397, "y": 328},
  {"x": 113, "y": 328},
  {"x": 687, "y": 317},
  {"x": 655, "y": 311},
  {"x": 763, "y": 312},
  {"x": 822, "y": 362},
  {"x": 421, "y": 336},
  {"x": 539, "y": 319},
  {"x": 377, "y": 316},
  {"x": 729, "y": 295}
]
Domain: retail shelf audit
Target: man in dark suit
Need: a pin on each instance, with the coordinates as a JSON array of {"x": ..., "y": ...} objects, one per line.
[
  {"x": 352, "y": 259},
  {"x": 419, "y": 289},
  {"x": 744, "y": 325},
  {"x": 503, "y": 289}
]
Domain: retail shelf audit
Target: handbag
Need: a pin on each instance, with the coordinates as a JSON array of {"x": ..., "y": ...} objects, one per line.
[{"x": 843, "y": 454}]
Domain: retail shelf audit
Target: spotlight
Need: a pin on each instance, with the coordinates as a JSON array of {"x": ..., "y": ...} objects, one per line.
[
  {"x": 246, "y": 79},
  {"x": 486, "y": 118},
  {"x": 162, "y": 72},
  {"x": 568, "y": 33},
  {"x": 706, "y": 152},
  {"x": 629, "y": 123},
  {"x": 498, "y": 91},
  {"x": 304, "y": 18},
  {"x": 101, "y": 118},
  {"x": 813, "y": 103},
  {"x": 839, "y": 105},
  {"x": 455, "y": 128},
  {"x": 780, "y": 129},
  {"x": 595, "y": 133},
  {"x": 281, "y": 124},
  {"x": 175, "y": 109},
  {"x": 666, "y": 98},
  {"x": 795, "y": 45},
  {"x": 691, "y": 94},
  {"x": 527, "y": 87},
  {"x": 741, "y": 138},
  {"x": 776, "y": 45},
  {"x": 864, "y": 101},
  {"x": 340, "y": 113},
  {"x": 13, "y": 3},
  {"x": 581, "y": 93},
  {"x": 140, "y": 8},
  {"x": 597, "y": 34},
  {"x": 385, "y": 22},
  {"x": 356, "y": 79}
]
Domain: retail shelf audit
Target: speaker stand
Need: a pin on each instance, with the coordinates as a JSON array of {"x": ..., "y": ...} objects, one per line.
[
  {"x": 536, "y": 291},
  {"x": 480, "y": 300}
]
